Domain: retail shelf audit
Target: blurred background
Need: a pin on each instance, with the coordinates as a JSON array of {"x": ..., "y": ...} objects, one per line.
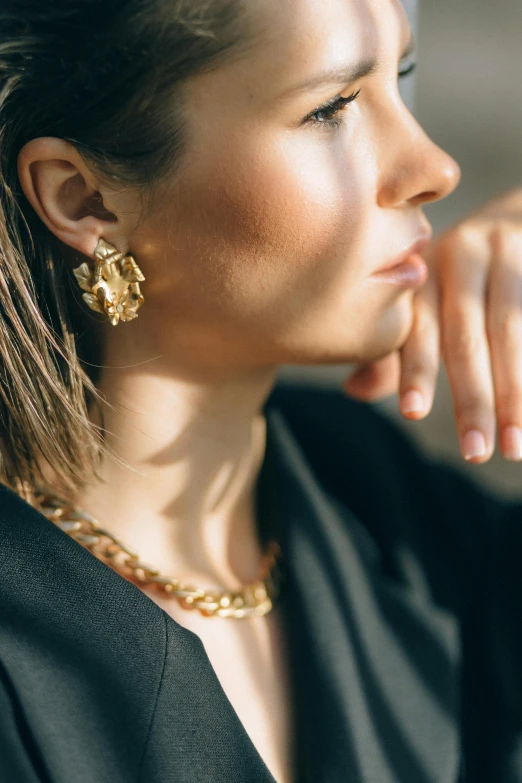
[{"x": 469, "y": 99}]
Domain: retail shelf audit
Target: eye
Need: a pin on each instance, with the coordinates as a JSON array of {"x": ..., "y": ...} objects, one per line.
[
  {"x": 327, "y": 114},
  {"x": 407, "y": 70}
]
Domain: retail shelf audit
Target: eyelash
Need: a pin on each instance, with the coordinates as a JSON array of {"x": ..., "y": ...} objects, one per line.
[
  {"x": 335, "y": 106},
  {"x": 331, "y": 109}
]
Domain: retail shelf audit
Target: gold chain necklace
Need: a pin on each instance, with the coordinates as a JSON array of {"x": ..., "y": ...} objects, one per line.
[{"x": 254, "y": 600}]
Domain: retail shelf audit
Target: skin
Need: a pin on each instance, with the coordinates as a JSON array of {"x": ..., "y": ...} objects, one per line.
[
  {"x": 263, "y": 251},
  {"x": 469, "y": 315}
]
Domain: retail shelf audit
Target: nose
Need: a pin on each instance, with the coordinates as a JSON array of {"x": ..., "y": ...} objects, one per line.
[{"x": 414, "y": 170}]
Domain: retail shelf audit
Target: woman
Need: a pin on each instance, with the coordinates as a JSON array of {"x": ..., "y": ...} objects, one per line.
[{"x": 244, "y": 184}]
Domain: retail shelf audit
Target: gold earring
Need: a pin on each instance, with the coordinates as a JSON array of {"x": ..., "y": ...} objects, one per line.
[{"x": 113, "y": 286}]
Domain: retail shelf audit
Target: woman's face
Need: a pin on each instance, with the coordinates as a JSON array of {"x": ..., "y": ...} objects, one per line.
[{"x": 265, "y": 248}]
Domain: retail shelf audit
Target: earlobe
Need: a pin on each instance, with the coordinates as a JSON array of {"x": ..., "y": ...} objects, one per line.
[{"x": 62, "y": 191}]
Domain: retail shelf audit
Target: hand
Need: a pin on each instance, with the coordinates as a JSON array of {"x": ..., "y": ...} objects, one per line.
[{"x": 470, "y": 312}]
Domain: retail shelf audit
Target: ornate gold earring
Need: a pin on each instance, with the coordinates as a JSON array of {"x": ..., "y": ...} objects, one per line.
[{"x": 113, "y": 286}]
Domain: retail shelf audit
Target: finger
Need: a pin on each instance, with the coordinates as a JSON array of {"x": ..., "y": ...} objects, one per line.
[
  {"x": 420, "y": 356},
  {"x": 504, "y": 326},
  {"x": 375, "y": 381},
  {"x": 465, "y": 344}
]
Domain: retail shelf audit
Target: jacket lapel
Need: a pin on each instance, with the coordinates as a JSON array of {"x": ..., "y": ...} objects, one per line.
[
  {"x": 374, "y": 662},
  {"x": 95, "y": 663}
]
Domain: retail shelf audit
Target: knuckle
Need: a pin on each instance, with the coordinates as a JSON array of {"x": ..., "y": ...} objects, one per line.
[
  {"x": 472, "y": 408},
  {"x": 505, "y": 328},
  {"x": 510, "y": 400},
  {"x": 465, "y": 237},
  {"x": 501, "y": 228},
  {"x": 416, "y": 366},
  {"x": 462, "y": 345},
  {"x": 457, "y": 313},
  {"x": 504, "y": 235},
  {"x": 509, "y": 407},
  {"x": 506, "y": 242}
]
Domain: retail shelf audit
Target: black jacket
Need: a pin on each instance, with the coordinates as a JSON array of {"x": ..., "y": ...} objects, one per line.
[{"x": 403, "y": 599}]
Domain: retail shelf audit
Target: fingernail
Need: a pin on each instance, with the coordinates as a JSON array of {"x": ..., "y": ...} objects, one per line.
[
  {"x": 412, "y": 402},
  {"x": 512, "y": 443},
  {"x": 473, "y": 445}
]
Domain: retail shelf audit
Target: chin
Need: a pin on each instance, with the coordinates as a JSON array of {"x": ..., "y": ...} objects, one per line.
[
  {"x": 367, "y": 334},
  {"x": 372, "y": 336},
  {"x": 390, "y": 332}
]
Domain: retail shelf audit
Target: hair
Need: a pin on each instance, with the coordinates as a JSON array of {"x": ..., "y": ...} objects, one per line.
[{"x": 105, "y": 76}]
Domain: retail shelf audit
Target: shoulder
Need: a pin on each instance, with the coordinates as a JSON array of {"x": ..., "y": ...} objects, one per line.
[
  {"x": 406, "y": 500},
  {"x": 349, "y": 442},
  {"x": 358, "y": 454},
  {"x": 12, "y": 507},
  {"x": 354, "y": 445},
  {"x": 317, "y": 406},
  {"x": 68, "y": 624},
  {"x": 57, "y": 596},
  {"x": 25, "y": 532}
]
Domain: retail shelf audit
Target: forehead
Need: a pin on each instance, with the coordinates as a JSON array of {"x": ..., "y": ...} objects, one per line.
[
  {"x": 291, "y": 42},
  {"x": 300, "y": 37}
]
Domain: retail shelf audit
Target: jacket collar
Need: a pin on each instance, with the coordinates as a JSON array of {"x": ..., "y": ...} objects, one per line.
[{"x": 375, "y": 664}]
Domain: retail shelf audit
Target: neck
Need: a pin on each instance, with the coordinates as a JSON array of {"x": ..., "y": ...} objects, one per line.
[{"x": 186, "y": 501}]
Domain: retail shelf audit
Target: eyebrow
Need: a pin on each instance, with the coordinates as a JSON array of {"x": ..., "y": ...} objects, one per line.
[{"x": 346, "y": 74}]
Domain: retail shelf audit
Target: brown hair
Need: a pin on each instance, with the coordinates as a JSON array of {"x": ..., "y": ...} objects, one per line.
[{"x": 102, "y": 75}]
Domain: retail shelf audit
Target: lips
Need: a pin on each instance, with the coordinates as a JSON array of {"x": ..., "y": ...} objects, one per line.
[
  {"x": 417, "y": 248},
  {"x": 409, "y": 270}
]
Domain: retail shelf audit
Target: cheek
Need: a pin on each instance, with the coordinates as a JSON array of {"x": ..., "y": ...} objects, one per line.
[
  {"x": 267, "y": 252},
  {"x": 272, "y": 225}
]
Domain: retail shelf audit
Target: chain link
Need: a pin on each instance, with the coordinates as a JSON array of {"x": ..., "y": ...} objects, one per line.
[{"x": 254, "y": 600}]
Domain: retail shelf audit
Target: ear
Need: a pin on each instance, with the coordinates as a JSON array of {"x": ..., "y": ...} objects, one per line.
[{"x": 64, "y": 192}]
